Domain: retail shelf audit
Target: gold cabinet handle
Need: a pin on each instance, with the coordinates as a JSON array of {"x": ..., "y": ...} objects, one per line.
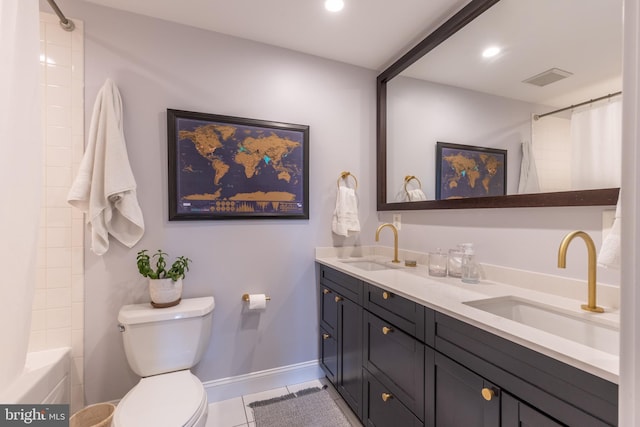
[
  {"x": 326, "y": 291},
  {"x": 488, "y": 393},
  {"x": 386, "y": 295},
  {"x": 386, "y": 330},
  {"x": 338, "y": 298},
  {"x": 326, "y": 336},
  {"x": 386, "y": 396}
]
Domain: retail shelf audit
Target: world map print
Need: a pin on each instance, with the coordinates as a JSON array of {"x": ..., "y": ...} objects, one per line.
[
  {"x": 231, "y": 169},
  {"x": 470, "y": 173}
]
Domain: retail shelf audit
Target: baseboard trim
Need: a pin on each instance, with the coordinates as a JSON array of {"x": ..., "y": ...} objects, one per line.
[{"x": 254, "y": 382}]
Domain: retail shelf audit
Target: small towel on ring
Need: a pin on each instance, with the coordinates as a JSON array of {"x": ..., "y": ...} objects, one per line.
[
  {"x": 609, "y": 255},
  {"x": 345, "y": 216},
  {"x": 105, "y": 188},
  {"x": 416, "y": 195}
]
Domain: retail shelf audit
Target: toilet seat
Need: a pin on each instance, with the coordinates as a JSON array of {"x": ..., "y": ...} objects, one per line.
[{"x": 176, "y": 399}]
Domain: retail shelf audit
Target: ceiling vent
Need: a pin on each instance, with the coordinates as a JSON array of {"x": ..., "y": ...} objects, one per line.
[{"x": 547, "y": 77}]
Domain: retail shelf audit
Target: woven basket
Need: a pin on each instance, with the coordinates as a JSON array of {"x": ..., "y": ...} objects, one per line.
[{"x": 98, "y": 415}]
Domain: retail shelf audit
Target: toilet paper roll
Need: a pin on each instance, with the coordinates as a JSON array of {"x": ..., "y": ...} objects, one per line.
[{"x": 257, "y": 301}]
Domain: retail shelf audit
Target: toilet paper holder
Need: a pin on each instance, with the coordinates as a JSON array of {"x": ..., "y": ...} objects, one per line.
[{"x": 245, "y": 298}]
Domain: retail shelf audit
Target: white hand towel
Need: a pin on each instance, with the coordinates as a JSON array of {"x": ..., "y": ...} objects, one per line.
[
  {"x": 345, "y": 216},
  {"x": 609, "y": 255},
  {"x": 105, "y": 188},
  {"x": 416, "y": 195}
]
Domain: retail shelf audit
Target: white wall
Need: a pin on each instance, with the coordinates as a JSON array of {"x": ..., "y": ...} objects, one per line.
[{"x": 159, "y": 65}]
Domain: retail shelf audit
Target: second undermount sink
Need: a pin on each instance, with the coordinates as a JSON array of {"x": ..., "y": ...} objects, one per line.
[
  {"x": 371, "y": 265},
  {"x": 595, "y": 334}
]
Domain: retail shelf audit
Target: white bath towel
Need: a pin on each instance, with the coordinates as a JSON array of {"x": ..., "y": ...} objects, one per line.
[
  {"x": 345, "y": 216},
  {"x": 609, "y": 255},
  {"x": 105, "y": 188}
]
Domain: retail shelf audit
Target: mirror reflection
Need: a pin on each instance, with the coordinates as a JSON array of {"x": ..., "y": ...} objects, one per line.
[{"x": 493, "y": 84}]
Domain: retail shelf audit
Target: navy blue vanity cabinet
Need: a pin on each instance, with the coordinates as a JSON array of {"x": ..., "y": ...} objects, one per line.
[
  {"x": 394, "y": 359},
  {"x": 532, "y": 386},
  {"x": 341, "y": 334},
  {"x": 462, "y": 398},
  {"x": 517, "y": 413}
]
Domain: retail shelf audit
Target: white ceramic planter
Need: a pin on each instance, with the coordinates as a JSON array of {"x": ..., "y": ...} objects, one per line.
[{"x": 165, "y": 292}]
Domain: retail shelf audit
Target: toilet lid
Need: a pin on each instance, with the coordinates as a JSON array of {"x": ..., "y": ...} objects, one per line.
[{"x": 167, "y": 400}]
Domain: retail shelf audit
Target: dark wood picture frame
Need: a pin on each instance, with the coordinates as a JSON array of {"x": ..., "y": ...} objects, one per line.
[
  {"x": 466, "y": 171},
  {"x": 224, "y": 167}
]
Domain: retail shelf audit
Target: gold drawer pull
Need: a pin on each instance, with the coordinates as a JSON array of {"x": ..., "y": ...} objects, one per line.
[
  {"x": 386, "y": 330},
  {"x": 488, "y": 393},
  {"x": 326, "y": 336},
  {"x": 338, "y": 298},
  {"x": 386, "y": 295},
  {"x": 386, "y": 396},
  {"x": 326, "y": 291}
]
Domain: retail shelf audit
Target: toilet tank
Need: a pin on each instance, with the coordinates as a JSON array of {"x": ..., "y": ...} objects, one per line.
[{"x": 161, "y": 340}]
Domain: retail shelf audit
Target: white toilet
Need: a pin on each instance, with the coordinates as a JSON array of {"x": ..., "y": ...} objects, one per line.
[{"x": 161, "y": 346}]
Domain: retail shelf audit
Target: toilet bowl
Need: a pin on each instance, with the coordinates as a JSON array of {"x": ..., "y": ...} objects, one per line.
[
  {"x": 175, "y": 399},
  {"x": 161, "y": 346}
]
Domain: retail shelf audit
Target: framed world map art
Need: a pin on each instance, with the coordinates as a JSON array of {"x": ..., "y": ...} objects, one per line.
[
  {"x": 464, "y": 171},
  {"x": 223, "y": 167}
]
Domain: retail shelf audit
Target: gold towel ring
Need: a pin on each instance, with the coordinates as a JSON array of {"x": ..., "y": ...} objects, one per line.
[
  {"x": 407, "y": 179},
  {"x": 344, "y": 175}
]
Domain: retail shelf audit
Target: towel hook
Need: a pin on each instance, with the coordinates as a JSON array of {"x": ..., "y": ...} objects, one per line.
[
  {"x": 344, "y": 175},
  {"x": 408, "y": 179}
]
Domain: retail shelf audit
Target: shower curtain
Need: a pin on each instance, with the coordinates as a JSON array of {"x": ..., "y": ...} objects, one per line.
[
  {"x": 596, "y": 144},
  {"x": 20, "y": 178}
]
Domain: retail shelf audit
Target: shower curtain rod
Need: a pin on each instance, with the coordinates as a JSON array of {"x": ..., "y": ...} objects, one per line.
[
  {"x": 611, "y": 95},
  {"x": 66, "y": 24}
]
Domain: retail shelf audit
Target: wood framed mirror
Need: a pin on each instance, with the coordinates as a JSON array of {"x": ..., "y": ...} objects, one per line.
[{"x": 426, "y": 58}]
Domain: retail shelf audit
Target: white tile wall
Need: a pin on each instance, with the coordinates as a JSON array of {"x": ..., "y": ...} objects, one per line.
[{"x": 58, "y": 308}]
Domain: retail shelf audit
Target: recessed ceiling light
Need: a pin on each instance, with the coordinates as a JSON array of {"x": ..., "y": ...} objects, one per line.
[
  {"x": 334, "y": 5},
  {"x": 490, "y": 52}
]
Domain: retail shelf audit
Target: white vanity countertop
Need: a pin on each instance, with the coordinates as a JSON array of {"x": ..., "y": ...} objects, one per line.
[{"x": 447, "y": 295}]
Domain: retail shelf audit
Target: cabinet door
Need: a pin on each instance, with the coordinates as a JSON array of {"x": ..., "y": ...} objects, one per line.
[
  {"x": 382, "y": 408},
  {"x": 462, "y": 398},
  {"x": 329, "y": 309},
  {"x": 518, "y": 414},
  {"x": 329, "y": 355},
  {"x": 349, "y": 379}
]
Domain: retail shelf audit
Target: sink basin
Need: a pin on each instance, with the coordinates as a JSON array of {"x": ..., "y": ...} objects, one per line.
[
  {"x": 369, "y": 265},
  {"x": 572, "y": 326}
]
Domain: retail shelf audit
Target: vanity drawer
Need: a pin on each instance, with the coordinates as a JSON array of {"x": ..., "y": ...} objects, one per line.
[
  {"x": 397, "y": 360},
  {"x": 383, "y": 408},
  {"x": 345, "y": 285},
  {"x": 404, "y": 314}
]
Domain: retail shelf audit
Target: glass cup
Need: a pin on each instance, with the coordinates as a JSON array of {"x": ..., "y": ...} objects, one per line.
[
  {"x": 455, "y": 263},
  {"x": 438, "y": 264}
]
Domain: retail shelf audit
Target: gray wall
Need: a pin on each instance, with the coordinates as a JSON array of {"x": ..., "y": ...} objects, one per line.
[{"x": 159, "y": 65}]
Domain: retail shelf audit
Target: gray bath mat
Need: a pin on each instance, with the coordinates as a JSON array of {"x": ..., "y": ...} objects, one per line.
[{"x": 312, "y": 407}]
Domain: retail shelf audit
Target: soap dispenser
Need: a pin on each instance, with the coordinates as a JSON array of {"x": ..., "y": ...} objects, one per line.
[{"x": 470, "y": 270}]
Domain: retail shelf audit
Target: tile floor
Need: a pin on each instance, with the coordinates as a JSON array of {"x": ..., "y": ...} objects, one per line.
[{"x": 236, "y": 413}]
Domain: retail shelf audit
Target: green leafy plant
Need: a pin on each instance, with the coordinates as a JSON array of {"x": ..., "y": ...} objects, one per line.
[{"x": 177, "y": 271}]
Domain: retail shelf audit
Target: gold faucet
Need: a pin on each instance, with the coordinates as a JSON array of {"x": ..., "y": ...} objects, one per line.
[
  {"x": 591, "y": 281},
  {"x": 395, "y": 239}
]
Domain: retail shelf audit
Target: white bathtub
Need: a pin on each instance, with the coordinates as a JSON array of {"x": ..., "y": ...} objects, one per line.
[{"x": 45, "y": 379}]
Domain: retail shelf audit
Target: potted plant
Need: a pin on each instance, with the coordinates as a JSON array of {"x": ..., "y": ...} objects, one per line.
[{"x": 165, "y": 286}]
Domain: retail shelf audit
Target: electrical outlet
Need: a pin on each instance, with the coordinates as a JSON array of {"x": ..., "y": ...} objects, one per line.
[{"x": 397, "y": 221}]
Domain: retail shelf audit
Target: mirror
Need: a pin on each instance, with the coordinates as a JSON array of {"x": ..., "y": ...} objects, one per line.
[{"x": 438, "y": 92}]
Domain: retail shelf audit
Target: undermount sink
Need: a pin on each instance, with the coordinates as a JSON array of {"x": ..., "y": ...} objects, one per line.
[
  {"x": 571, "y": 326},
  {"x": 371, "y": 265}
]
